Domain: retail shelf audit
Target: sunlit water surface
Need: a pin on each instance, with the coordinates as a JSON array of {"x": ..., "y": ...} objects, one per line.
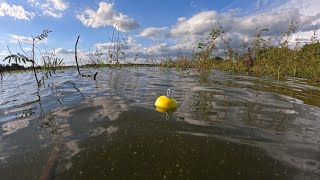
[{"x": 227, "y": 126}]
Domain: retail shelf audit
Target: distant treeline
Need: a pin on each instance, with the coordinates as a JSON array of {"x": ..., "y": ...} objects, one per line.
[{"x": 12, "y": 67}]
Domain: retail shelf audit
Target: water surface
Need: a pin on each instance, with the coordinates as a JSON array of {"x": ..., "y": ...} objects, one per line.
[{"x": 227, "y": 126}]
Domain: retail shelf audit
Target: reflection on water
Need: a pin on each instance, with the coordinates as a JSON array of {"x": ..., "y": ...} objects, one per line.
[{"x": 227, "y": 126}]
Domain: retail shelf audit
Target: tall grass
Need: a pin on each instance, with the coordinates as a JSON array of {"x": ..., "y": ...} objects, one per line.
[{"x": 260, "y": 56}]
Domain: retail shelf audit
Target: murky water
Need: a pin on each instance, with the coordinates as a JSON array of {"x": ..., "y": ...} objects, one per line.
[{"x": 227, "y": 126}]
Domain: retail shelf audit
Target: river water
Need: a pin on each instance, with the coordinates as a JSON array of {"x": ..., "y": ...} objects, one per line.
[{"x": 227, "y": 126}]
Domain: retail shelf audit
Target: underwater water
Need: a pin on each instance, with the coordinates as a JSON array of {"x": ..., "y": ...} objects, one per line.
[{"x": 226, "y": 127}]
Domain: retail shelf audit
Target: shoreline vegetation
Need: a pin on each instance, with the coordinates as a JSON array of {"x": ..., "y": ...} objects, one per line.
[{"x": 260, "y": 56}]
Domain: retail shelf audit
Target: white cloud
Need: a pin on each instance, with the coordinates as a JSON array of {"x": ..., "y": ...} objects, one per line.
[
  {"x": 63, "y": 51},
  {"x": 134, "y": 52},
  {"x": 59, "y": 4},
  {"x": 3, "y": 54},
  {"x": 157, "y": 49},
  {"x": 130, "y": 47},
  {"x": 198, "y": 26},
  {"x": 153, "y": 32},
  {"x": 107, "y": 16},
  {"x": 310, "y": 7},
  {"x": 181, "y": 19},
  {"x": 188, "y": 30},
  {"x": 68, "y": 56},
  {"x": 52, "y": 14},
  {"x": 15, "y": 11},
  {"x": 53, "y": 8},
  {"x": 103, "y": 46},
  {"x": 131, "y": 41},
  {"x": 17, "y": 38}
]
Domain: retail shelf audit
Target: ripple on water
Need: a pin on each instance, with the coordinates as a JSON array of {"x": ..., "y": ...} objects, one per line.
[{"x": 77, "y": 121}]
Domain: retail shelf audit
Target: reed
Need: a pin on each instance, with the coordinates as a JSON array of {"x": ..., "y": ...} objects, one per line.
[
  {"x": 259, "y": 56},
  {"x": 25, "y": 58}
]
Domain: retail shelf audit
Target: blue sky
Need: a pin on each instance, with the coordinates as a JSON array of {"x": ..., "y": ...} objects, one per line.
[{"x": 152, "y": 27}]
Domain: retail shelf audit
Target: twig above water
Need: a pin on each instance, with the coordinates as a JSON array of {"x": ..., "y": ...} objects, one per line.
[{"x": 76, "y": 58}]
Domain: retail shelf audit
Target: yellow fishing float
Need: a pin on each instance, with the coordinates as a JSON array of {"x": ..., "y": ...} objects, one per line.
[
  {"x": 166, "y": 103},
  {"x": 161, "y": 110}
]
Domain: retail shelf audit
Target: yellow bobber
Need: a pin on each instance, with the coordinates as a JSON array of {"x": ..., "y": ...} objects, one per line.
[
  {"x": 166, "y": 110},
  {"x": 166, "y": 102}
]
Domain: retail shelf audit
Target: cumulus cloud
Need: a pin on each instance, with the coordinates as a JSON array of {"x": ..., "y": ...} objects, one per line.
[
  {"x": 200, "y": 25},
  {"x": 53, "y": 8},
  {"x": 129, "y": 46},
  {"x": 195, "y": 25},
  {"x": 153, "y": 32},
  {"x": 203, "y": 22},
  {"x": 17, "y": 38},
  {"x": 237, "y": 27},
  {"x": 164, "y": 51},
  {"x": 185, "y": 33},
  {"x": 107, "y": 16},
  {"x": 310, "y": 7},
  {"x": 103, "y": 46},
  {"x": 15, "y": 11},
  {"x": 63, "y": 51},
  {"x": 68, "y": 56},
  {"x": 134, "y": 50}
]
